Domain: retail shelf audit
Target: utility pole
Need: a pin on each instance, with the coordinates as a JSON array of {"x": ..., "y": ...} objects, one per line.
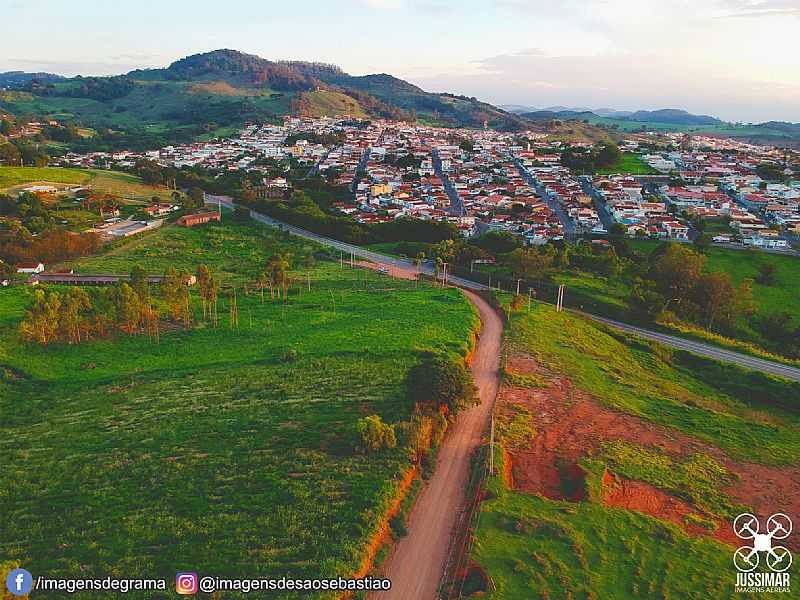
[
  {"x": 560, "y": 298},
  {"x": 491, "y": 448},
  {"x": 518, "y": 282},
  {"x": 529, "y": 299}
]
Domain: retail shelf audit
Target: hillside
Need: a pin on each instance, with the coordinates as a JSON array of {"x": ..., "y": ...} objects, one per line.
[
  {"x": 676, "y": 120},
  {"x": 229, "y": 447},
  {"x": 671, "y": 115},
  {"x": 205, "y": 93},
  {"x": 619, "y": 462}
]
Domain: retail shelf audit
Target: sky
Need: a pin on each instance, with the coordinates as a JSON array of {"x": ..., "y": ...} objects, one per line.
[{"x": 735, "y": 59}]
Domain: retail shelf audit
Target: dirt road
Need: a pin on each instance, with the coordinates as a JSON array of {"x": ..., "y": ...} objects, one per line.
[{"x": 418, "y": 563}]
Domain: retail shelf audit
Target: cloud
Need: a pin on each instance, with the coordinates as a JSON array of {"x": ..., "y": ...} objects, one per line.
[
  {"x": 643, "y": 81},
  {"x": 118, "y": 64},
  {"x": 382, "y": 3}
]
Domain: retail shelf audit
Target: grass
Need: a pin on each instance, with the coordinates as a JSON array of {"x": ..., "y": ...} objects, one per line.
[
  {"x": 14, "y": 176},
  {"x": 116, "y": 183},
  {"x": 726, "y": 407},
  {"x": 630, "y": 163},
  {"x": 236, "y": 252},
  {"x": 532, "y": 547},
  {"x": 211, "y": 451},
  {"x": 741, "y": 264},
  {"x": 328, "y": 103},
  {"x": 698, "y": 478}
]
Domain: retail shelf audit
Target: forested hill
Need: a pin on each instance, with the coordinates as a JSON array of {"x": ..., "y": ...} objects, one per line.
[{"x": 215, "y": 92}]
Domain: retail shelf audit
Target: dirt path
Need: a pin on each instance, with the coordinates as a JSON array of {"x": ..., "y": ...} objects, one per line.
[{"x": 419, "y": 560}]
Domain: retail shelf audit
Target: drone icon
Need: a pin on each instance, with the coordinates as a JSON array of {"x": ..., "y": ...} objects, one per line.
[{"x": 746, "y": 558}]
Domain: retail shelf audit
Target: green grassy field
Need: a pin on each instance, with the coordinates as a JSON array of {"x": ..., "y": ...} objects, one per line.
[
  {"x": 236, "y": 252},
  {"x": 741, "y": 264},
  {"x": 530, "y": 546},
  {"x": 631, "y": 163},
  {"x": 676, "y": 389},
  {"x": 594, "y": 293},
  {"x": 331, "y": 104},
  {"x": 219, "y": 450},
  {"x": 116, "y": 183},
  {"x": 13, "y": 176}
]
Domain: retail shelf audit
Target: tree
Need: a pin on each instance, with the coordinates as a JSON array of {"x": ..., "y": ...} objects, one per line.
[
  {"x": 607, "y": 155},
  {"x": 204, "y": 282},
  {"x": 766, "y": 274},
  {"x": 531, "y": 263},
  {"x": 72, "y": 320},
  {"x": 676, "y": 271},
  {"x": 442, "y": 382},
  {"x": 645, "y": 300},
  {"x": 194, "y": 199},
  {"x": 446, "y": 250},
  {"x": 129, "y": 308},
  {"x": 278, "y": 269},
  {"x": 374, "y": 434},
  {"x": 41, "y": 320},
  {"x": 498, "y": 242},
  {"x": 9, "y": 155},
  {"x": 702, "y": 242},
  {"x": 716, "y": 296},
  {"x": 140, "y": 283},
  {"x": 175, "y": 293}
]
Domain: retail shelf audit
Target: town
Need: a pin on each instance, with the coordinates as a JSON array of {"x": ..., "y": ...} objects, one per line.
[{"x": 485, "y": 180}]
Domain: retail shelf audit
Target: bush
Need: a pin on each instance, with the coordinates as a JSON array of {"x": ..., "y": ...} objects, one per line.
[
  {"x": 442, "y": 381},
  {"x": 398, "y": 525},
  {"x": 374, "y": 434}
]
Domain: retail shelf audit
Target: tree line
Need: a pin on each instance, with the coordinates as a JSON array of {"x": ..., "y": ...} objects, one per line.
[{"x": 79, "y": 314}]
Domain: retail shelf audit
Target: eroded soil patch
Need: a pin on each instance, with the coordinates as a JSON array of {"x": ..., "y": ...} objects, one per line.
[{"x": 570, "y": 424}]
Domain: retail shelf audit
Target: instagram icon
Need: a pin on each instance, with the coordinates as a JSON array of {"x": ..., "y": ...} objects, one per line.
[{"x": 186, "y": 583}]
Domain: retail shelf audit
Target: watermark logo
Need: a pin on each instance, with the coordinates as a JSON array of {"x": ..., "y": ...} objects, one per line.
[
  {"x": 186, "y": 583},
  {"x": 19, "y": 582},
  {"x": 777, "y": 558}
]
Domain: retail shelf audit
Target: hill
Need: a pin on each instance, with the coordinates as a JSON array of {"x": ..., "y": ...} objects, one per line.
[
  {"x": 668, "y": 119},
  {"x": 617, "y": 460},
  {"x": 17, "y": 78},
  {"x": 206, "y": 93},
  {"x": 671, "y": 115}
]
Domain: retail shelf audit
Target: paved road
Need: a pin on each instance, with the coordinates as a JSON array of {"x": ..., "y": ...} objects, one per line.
[
  {"x": 751, "y": 362},
  {"x": 569, "y": 225},
  {"x": 420, "y": 560},
  {"x": 744, "y": 360},
  {"x": 456, "y": 203}
]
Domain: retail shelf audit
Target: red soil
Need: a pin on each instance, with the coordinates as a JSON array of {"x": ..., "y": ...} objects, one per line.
[{"x": 570, "y": 424}]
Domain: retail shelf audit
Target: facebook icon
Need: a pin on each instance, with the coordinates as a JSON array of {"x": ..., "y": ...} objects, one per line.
[{"x": 19, "y": 582}]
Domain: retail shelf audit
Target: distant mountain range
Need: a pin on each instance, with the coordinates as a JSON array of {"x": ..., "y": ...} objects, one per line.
[
  {"x": 671, "y": 116},
  {"x": 668, "y": 119},
  {"x": 212, "y": 93}
]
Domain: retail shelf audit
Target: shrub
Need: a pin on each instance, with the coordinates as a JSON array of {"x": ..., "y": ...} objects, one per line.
[
  {"x": 398, "y": 525},
  {"x": 442, "y": 381},
  {"x": 374, "y": 434}
]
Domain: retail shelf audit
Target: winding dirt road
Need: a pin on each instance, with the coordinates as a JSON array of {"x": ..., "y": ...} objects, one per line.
[{"x": 418, "y": 563}]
